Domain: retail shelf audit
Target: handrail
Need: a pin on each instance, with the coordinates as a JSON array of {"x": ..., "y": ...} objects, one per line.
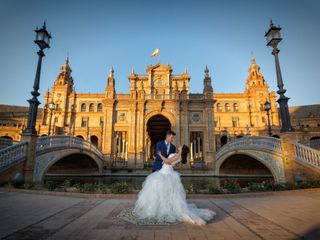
[
  {"x": 47, "y": 142},
  {"x": 12, "y": 154},
  {"x": 255, "y": 142},
  {"x": 307, "y": 154}
]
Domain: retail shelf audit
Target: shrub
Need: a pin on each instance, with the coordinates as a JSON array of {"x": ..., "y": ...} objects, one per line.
[
  {"x": 213, "y": 189},
  {"x": 256, "y": 187},
  {"x": 28, "y": 185},
  {"x": 232, "y": 186},
  {"x": 88, "y": 187},
  {"x": 67, "y": 183},
  {"x": 51, "y": 185},
  {"x": 103, "y": 188},
  {"x": 120, "y": 187}
]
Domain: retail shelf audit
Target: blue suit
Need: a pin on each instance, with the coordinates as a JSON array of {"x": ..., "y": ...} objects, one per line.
[{"x": 161, "y": 146}]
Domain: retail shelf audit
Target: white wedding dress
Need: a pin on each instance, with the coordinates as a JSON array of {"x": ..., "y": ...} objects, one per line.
[{"x": 163, "y": 197}]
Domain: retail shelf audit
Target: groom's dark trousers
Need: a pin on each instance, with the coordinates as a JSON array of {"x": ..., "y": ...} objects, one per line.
[{"x": 161, "y": 146}]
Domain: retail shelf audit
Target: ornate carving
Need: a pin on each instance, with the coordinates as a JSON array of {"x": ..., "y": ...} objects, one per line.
[{"x": 196, "y": 117}]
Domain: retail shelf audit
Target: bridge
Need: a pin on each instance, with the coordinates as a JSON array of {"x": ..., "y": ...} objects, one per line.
[
  {"x": 49, "y": 150},
  {"x": 282, "y": 158}
]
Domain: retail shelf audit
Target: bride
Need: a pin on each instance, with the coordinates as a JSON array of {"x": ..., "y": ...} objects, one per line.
[{"x": 163, "y": 196}]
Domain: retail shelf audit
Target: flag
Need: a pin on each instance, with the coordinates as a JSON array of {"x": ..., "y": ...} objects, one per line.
[{"x": 155, "y": 52}]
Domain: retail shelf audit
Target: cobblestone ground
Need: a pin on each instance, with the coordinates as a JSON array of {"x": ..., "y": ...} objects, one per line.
[{"x": 293, "y": 215}]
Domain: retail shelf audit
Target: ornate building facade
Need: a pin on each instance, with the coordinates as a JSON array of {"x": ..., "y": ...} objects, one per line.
[{"x": 126, "y": 127}]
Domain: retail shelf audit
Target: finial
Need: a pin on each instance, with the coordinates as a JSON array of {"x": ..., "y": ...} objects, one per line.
[
  {"x": 132, "y": 71},
  {"x": 111, "y": 72},
  {"x": 67, "y": 58},
  {"x": 44, "y": 25},
  {"x": 186, "y": 71},
  {"x": 206, "y": 71},
  {"x": 253, "y": 61},
  {"x": 271, "y": 23}
]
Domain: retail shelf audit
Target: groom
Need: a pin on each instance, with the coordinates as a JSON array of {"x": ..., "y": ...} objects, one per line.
[{"x": 166, "y": 147}]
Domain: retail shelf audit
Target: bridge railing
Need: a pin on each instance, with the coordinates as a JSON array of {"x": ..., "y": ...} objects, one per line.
[
  {"x": 252, "y": 142},
  {"x": 49, "y": 142},
  {"x": 4, "y": 142},
  {"x": 12, "y": 154},
  {"x": 307, "y": 154}
]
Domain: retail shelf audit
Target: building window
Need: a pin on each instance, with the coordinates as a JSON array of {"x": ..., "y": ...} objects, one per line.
[
  {"x": 234, "y": 122},
  {"x": 100, "y": 107},
  {"x": 219, "y": 108},
  {"x": 215, "y": 123},
  {"x": 83, "y": 107},
  {"x": 263, "y": 120},
  {"x": 55, "y": 119},
  {"x": 84, "y": 122},
  {"x": 91, "y": 107},
  {"x": 101, "y": 121},
  {"x": 227, "y": 106},
  {"x": 235, "y": 107}
]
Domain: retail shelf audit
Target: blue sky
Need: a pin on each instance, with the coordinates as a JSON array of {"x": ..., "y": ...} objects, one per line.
[{"x": 190, "y": 34}]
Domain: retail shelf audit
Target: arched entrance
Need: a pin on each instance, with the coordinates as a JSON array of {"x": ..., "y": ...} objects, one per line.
[
  {"x": 94, "y": 140},
  {"x": 315, "y": 138},
  {"x": 73, "y": 164},
  {"x": 276, "y": 136},
  {"x": 79, "y": 136},
  {"x": 156, "y": 131},
  {"x": 241, "y": 164}
]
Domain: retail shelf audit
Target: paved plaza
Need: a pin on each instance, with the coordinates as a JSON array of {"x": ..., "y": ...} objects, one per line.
[{"x": 281, "y": 215}]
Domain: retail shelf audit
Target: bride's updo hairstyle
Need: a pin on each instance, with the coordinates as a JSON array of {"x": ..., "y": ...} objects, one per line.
[{"x": 184, "y": 154}]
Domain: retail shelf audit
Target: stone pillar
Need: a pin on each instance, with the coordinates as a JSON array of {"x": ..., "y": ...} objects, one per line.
[
  {"x": 194, "y": 148},
  {"x": 287, "y": 140},
  {"x": 30, "y": 162},
  {"x": 191, "y": 152},
  {"x": 198, "y": 147},
  {"x": 126, "y": 154},
  {"x": 119, "y": 145},
  {"x": 123, "y": 148}
]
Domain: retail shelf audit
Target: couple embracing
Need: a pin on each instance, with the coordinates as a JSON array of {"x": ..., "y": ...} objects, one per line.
[{"x": 163, "y": 196}]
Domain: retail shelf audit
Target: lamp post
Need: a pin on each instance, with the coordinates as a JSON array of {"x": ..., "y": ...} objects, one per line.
[
  {"x": 42, "y": 40},
  {"x": 273, "y": 37},
  {"x": 267, "y": 108},
  {"x": 51, "y": 107}
]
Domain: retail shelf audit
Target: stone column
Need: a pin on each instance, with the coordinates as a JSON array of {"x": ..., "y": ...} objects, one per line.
[
  {"x": 119, "y": 145},
  {"x": 194, "y": 147},
  {"x": 28, "y": 168},
  {"x": 123, "y": 148},
  {"x": 191, "y": 152},
  {"x": 198, "y": 147},
  {"x": 288, "y": 155}
]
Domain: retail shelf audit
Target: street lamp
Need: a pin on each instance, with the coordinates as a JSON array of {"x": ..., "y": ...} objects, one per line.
[
  {"x": 42, "y": 40},
  {"x": 51, "y": 107},
  {"x": 273, "y": 37},
  {"x": 267, "y": 108}
]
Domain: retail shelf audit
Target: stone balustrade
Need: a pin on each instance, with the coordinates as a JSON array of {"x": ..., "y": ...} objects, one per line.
[
  {"x": 252, "y": 142},
  {"x": 12, "y": 154},
  {"x": 307, "y": 154},
  {"x": 4, "y": 142},
  {"x": 46, "y": 143}
]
